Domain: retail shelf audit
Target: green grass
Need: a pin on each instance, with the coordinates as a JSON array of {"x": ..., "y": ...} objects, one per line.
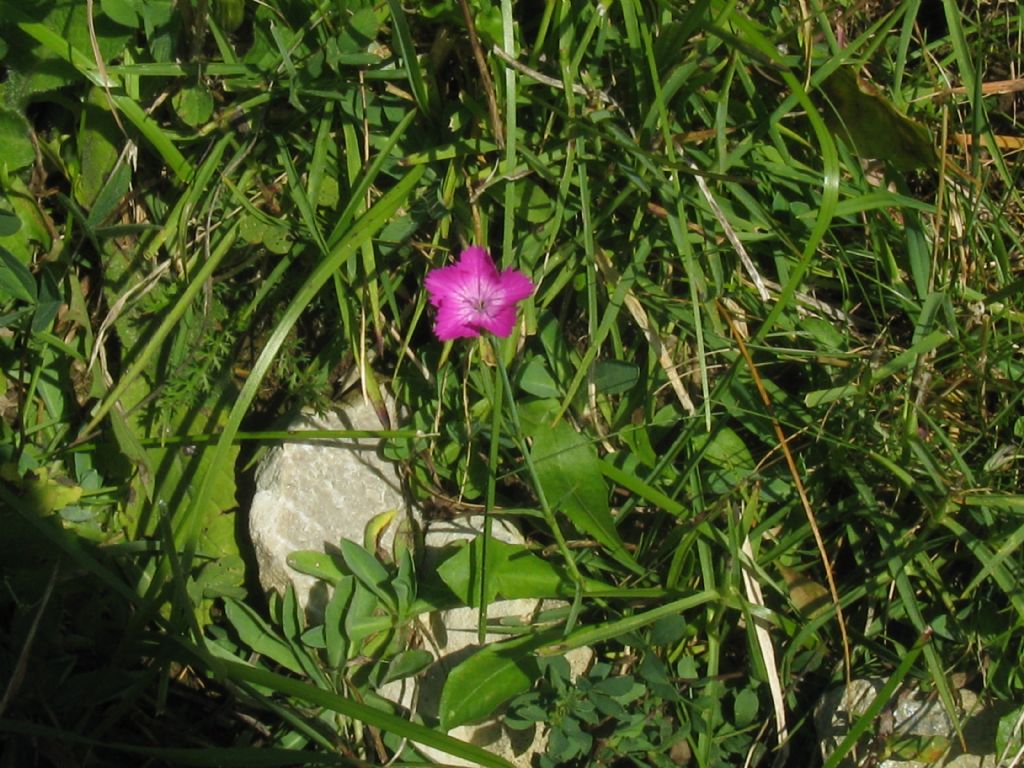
[{"x": 761, "y": 421}]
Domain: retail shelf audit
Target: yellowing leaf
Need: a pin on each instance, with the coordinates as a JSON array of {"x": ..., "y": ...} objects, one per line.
[
  {"x": 808, "y": 596},
  {"x": 45, "y": 494}
]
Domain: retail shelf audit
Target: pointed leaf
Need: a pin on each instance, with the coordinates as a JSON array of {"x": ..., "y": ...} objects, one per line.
[
  {"x": 478, "y": 686},
  {"x": 569, "y": 472},
  {"x": 258, "y": 635},
  {"x": 515, "y": 573},
  {"x": 369, "y": 571},
  {"x": 15, "y": 279},
  {"x": 408, "y": 663},
  {"x": 461, "y": 571},
  {"x": 613, "y": 377},
  {"x": 320, "y": 565}
]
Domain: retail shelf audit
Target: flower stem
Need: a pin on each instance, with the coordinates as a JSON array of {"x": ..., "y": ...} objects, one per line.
[
  {"x": 499, "y": 383},
  {"x": 517, "y": 438}
]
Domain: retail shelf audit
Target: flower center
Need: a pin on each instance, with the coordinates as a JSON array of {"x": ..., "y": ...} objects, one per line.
[{"x": 480, "y": 300}]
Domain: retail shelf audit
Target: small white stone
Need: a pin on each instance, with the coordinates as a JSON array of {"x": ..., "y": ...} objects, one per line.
[{"x": 311, "y": 495}]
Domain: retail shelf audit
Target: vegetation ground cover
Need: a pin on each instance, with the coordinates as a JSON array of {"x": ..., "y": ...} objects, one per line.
[{"x": 760, "y": 419}]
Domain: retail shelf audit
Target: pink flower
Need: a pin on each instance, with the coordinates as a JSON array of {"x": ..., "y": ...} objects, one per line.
[{"x": 472, "y": 296}]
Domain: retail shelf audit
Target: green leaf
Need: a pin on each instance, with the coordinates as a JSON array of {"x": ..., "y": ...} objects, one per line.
[
  {"x": 97, "y": 148},
  {"x": 258, "y": 635},
  {"x": 536, "y": 380},
  {"x": 117, "y": 185},
  {"x": 9, "y": 222},
  {"x": 121, "y": 11},
  {"x": 730, "y": 459},
  {"x": 49, "y": 300},
  {"x": 329, "y": 193},
  {"x": 16, "y": 281},
  {"x": 277, "y": 240},
  {"x": 363, "y": 619},
  {"x": 408, "y": 663},
  {"x": 745, "y": 708},
  {"x": 513, "y": 573},
  {"x": 461, "y": 571},
  {"x": 236, "y": 671},
  {"x": 43, "y": 493},
  {"x": 14, "y": 138},
  {"x": 875, "y": 127},
  {"x": 32, "y": 233},
  {"x": 229, "y": 14},
  {"x": 320, "y": 565},
  {"x": 1009, "y": 738},
  {"x": 478, "y": 686},
  {"x": 369, "y": 571},
  {"x": 569, "y": 472},
  {"x": 613, "y": 377},
  {"x": 193, "y": 105},
  {"x": 334, "y": 622}
]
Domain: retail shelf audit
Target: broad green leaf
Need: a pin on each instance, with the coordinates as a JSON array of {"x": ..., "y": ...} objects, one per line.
[
  {"x": 121, "y": 11},
  {"x": 194, "y": 105},
  {"x": 229, "y": 14},
  {"x": 18, "y": 151},
  {"x": 730, "y": 459},
  {"x": 45, "y": 68},
  {"x": 461, "y": 571},
  {"x": 32, "y": 235},
  {"x": 362, "y": 618},
  {"x": 233, "y": 670},
  {"x": 98, "y": 149},
  {"x": 253, "y": 228},
  {"x": 745, "y": 708},
  {"x": 478, "y": 686},
  {"x": 514, "y": 572},
  {"x": 49, "y": 300},
  {"x": 569, "y": 472},
  {"x": 222, "y": 576},
  {"x": 536, "y": 380},
  {"x": 117, "y": 185},
  {"x": 329, "y": 193},
  {"x": 875, "y": 127},
  {"x": 1009, "y": 737},
  {"x": 613, "y": 377},
  {"x": 334, "y": 622},
  {"x": 622, "y": 688},
  {"x": 809, "y": 597},
  {"x": 359, "y": 31},
  {"x": 9, "y": 222}
]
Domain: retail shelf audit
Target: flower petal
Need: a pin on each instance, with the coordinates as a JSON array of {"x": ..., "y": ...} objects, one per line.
[
  {"x": 450, "y": 323},
  {"x": 444, "y": 283},
  {"x": 477, "y": 262},
  {"x": 515, "y": 286},
  {"x": 501, "y": 322}
]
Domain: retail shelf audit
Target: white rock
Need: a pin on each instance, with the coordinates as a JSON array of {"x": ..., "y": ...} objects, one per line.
[
  {"x": 914, "y": 715},
  {"x": 311, "y": 495}
]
